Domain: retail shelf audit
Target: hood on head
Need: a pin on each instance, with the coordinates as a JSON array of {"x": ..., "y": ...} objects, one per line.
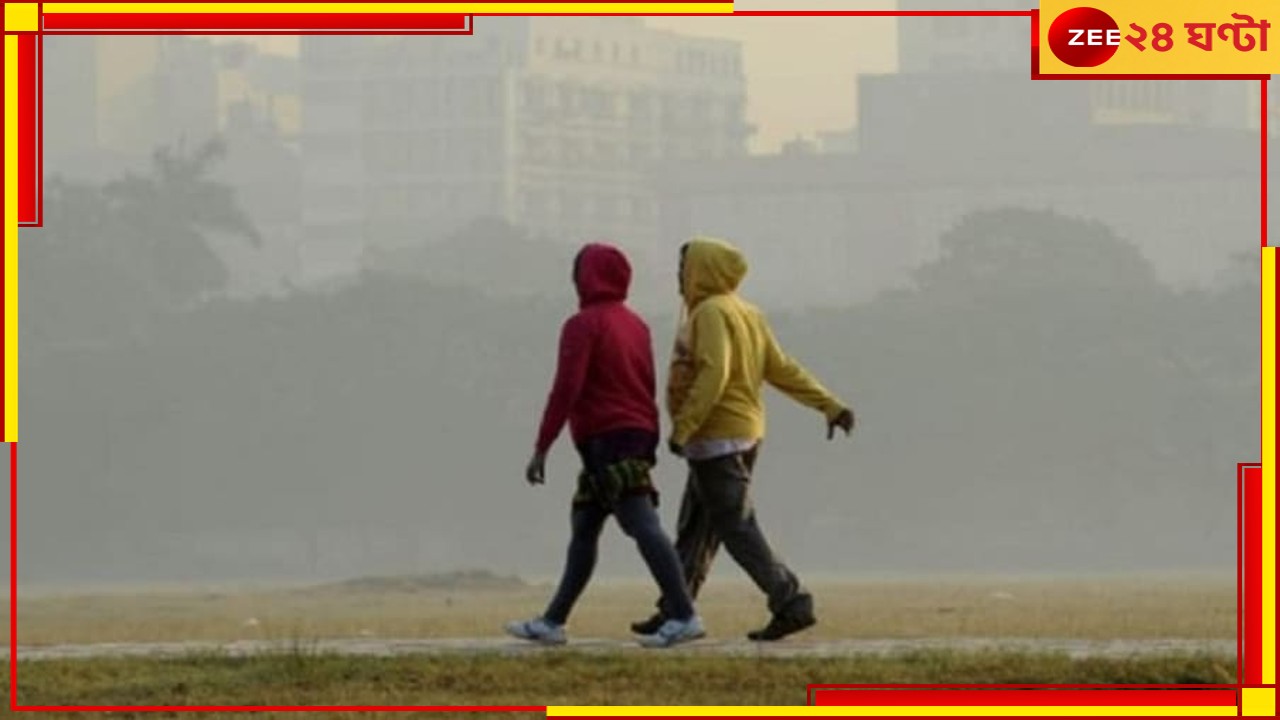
[
  {"x": 601, "y": 273},
  {"x": 711, "y": 267}
]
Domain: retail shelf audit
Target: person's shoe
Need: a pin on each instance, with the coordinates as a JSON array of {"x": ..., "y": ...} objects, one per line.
[
  {"x": 673, "y": 632},
  {"x": 650, "y": 626},
  {"x": 537, "y": 630},
  {"x": 781, "y": 626}
]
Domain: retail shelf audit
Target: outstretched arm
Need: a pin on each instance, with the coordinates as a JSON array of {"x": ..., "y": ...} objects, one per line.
[
  {"x": 571, "y": 372},
  {"x": 791, "y": 378},
  {"x": 710, "y": 352}
]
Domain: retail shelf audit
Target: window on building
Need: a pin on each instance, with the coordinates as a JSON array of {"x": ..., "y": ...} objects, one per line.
[
  {"x": 536, "y": 97},
  {"x": 598, "y": 103},
  {"x": 674, "y": 109},
  {"x": 700, "y": 109},
  {"x": 569, "y": 99},
  {"x": 639, "y": 106}
]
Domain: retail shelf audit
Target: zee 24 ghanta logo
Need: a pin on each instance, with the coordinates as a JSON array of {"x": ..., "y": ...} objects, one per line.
[{"x": 1087, "y": 37}]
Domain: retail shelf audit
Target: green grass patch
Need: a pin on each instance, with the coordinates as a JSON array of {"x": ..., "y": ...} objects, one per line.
[{"x": 558, "y": 677}]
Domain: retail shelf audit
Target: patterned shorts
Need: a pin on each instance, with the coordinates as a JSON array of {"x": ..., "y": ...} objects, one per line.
[{"x": 606, "y": 488}]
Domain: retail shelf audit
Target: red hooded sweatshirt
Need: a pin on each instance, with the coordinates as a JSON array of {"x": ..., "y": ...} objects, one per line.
[{"x": 604, "y": 375}]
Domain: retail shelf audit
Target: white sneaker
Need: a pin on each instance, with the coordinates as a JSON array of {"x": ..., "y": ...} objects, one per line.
[
  {"x": 537, "y": 630},
  {"x": 674, "y": 632}
]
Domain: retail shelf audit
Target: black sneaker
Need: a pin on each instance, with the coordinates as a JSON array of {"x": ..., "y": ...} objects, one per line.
[
  {"x": 650, "y": 626},
  {"x": 781, "y": 626}
]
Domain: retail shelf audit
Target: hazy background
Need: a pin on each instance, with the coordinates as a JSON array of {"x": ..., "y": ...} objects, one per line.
[{"x": 319, "y": 346}]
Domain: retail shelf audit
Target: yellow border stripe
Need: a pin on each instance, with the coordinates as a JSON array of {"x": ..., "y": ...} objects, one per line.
[
  {"x": 11, "y": 238},
  {"x": 1258, "y": 702},
  {"x": 1268, "y": 465},
  {"x": 600, "y": 8},
  {"x": 895, "y": 710},
  {"x": 21, "y": 16}
]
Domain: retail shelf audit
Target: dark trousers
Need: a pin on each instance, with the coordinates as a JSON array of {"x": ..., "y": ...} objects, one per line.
[
  {"x": 717, "y": 508},
  {"x": 638, "y": 519}
]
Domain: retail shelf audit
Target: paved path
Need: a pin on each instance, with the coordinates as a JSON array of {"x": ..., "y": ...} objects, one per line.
[{"x": 794, "y": 647}]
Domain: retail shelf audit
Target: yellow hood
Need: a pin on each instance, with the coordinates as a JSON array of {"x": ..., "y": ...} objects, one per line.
[{"x": 711, "y": 267}]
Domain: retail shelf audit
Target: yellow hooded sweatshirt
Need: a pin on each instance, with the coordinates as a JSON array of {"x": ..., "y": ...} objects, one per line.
[{"x": 724, "y": 353}]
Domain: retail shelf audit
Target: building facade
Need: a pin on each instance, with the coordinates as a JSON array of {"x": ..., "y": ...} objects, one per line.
[
  {"x": 960, "y": 45},
  {"x": 552, "y": 124},
  {"x": 834, "y": 230},
  {"x": 963, "y": 44}
]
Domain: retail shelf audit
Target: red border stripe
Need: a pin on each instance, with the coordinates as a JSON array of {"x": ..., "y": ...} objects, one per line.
[
  {"x": 1266, "y": 110},
  {"x": 1252, "y": 576},
  {"x": 254, "y": 21},
  {"x": 1038, "y": 698},
  {"x": 1240, "y": 474},
  {"x": 28, "y": 185}
]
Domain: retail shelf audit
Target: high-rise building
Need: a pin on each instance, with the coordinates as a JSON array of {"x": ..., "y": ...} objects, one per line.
[
  {"x": 267, "y": 84},
  {"x": 155, "y": 90},
  {"x": 126, "y": 95},
  {"x": 552, "y": 124},
  {"x": 70, "y": 89},
  {"x": 957, "y": 45}
]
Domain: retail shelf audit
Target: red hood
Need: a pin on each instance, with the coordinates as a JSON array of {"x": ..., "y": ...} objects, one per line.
[{"x": 601, "y": 274}]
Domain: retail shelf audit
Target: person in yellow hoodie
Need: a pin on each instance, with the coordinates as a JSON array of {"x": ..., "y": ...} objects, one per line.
[{"x": 724, "y": 353}]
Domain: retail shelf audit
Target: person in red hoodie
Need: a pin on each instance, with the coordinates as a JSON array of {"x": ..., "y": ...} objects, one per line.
[{"x": 604, "y": 389}]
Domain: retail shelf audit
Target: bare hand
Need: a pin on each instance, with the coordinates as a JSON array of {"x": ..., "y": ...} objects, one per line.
[
  {"x": 535, "y": 473},
  {"x": 843, "y": 420}
]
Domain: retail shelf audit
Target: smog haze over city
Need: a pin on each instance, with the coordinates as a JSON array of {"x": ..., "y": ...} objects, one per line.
[{"x": 293, "y": 311}]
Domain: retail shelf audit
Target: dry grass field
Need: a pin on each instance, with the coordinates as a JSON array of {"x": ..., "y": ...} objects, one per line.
[
  {"x": 1191, "y": 607},
  {"x": 1132, "y": 608}
]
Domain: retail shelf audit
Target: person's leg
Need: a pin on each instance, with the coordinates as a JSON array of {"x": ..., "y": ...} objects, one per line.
[
  {"x": 587, "y": 520},
  {"x": 637, "y": 518},
  {"x": 696, "y": 539},
  {"x": 695, "y": 545},
  {"x": 724, "y": 489}
]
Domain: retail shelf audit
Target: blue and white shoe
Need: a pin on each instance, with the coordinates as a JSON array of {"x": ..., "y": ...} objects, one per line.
[
  {"x": 539, "y": 630},
  {"x": 674, "y": 632}
]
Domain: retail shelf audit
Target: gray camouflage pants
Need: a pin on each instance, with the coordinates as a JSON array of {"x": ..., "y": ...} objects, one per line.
[{"x": 716, "y": 509}]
